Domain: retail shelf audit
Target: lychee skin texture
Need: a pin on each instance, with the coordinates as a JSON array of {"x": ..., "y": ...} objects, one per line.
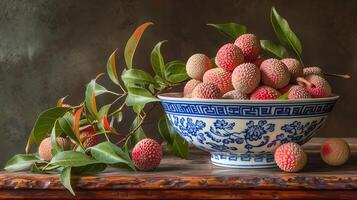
[
  {"x": 295, "y": 68},
  {"x": 190, "y": 85},
  {"x": 285, "y": 89},
  {"x": 312, "y": 70},
  {"x": 321, "y": 88},
  {"x": 206, "y": 91},
  {"x": 290, "y": 157},
  {"x": 335, "y": 152},
  {"x": 250, "y": 46},
  {"x": 147, "y": 154},
  {"x": 264, "y": 93},
  {"x": 45, "y": 148},
  {"x": 88, "y": 138},
  {"x": 246, "y": 77},
  {"x": 197, "y": 65},
  {"x": 229, "y": 56},
  {"x": 274, "y": 73},
  {"x": 235, "y": 94},
  {"x": 219, "y": 77},
  {"x": 298, "y": 92}
]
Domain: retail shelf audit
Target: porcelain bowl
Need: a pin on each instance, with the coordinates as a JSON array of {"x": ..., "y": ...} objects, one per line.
[{"x": 245, "y": 133}]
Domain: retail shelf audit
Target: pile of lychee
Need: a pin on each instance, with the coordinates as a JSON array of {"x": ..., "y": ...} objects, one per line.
[
  {"x": 290, "y": 157},
  {"x": 243, "y": 74}
]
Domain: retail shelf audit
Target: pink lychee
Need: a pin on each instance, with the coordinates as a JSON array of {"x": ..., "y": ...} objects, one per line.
[
  {"x": 274, "y": 73},
  {"x": 235, "y": 94},
  {"x": 229, "y": 56},
  {"x": 190, "y": 85},
  {"x": 313, "y": 70},
  {"x": 298, "y": 92},
  {"x": 290, "y": 157},
  {"x": 335, "y": 151},
  {"x": 264, "y": 93},
  {"x": 146, "y": 154},
  {"x": 219, "y": 77},
  {"x": 246, "y": 77},
  {"x": 206, "y": 91},
  {"x": 294, "y": 67},
  {"x": 285, "y": 89},
  {"x": 197, "y": 65},
  {"x": 320, "y": 87},
  {"x": 250, "y": 46},
  {"x": 45, "y": 147}
]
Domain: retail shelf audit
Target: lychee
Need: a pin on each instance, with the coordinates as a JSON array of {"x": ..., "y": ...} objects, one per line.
[
  {"x": 246, "y": 77},
  {"x": 250, "y": 46},
  {"x": 258, "y": 61},
  {"x": 290, "y": 157},
  {"x": 219, "y": 77},
  {"x": 294, "y": 67},
  {"x": 335, "y": 151},
  {"x": 274, "y": 73},
  {"x": 298, "y": 92},
  {"x": 206, "y": 91},
  {"x": 319, "y": 87},
  {"x": 146, "y": 154},
  {"x": 229, "y": 56},
  {"x": 264, "y": 93},
  {"x": 190, "y": 85},
  {"x": 285, "y": 89},
  {"x": 197, "y": 65},
  {"x": 88, "y": 137},
  {"x": 235, "y": 94},
  {"x": 45, "y": 148}
]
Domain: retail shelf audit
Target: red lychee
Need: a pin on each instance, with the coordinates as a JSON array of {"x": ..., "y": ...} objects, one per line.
[
  {"x": 147, "y": 154},
  {"x": 229, "y": 56},
  {"x": 264, "y": 93},
  {"x": 250, "y": 46},
  {"x": 235, "y": 94},
  {"x": 190, "y": 85},
  {"x": 320, "y": 87},
  {"x": 88, "y": 137},
  {"x": 274, "y": 73},
  {"x": 294, "y": 67},
  {"x": 298, "y": 92},
  {"x": 246, "y": 77},
  {"x": 206, "y": 91},
  {"x": 219, "y": 77},
  {"x": 290, "y": 157}
]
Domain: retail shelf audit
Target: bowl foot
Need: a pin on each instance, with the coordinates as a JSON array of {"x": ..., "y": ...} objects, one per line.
[{"x": 247, "y": 160}]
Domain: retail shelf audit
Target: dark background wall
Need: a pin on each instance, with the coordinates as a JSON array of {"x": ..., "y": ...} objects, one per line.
[{"x": 49, "y": 49}]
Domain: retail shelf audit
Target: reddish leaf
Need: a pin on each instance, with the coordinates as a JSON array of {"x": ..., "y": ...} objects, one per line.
[
  {"x": 106, "y": 123},
  {"x": 60, "y": 102},
  {"x": 112, "y": 69},
  {"x": 77, "y": 118},
  {"x": 133, "y": 43}
]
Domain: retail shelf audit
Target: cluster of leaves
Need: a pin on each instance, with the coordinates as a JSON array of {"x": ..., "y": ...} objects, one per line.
[
  {"x": 287, "y": 38},
  {"x": 137, "y": 91}
]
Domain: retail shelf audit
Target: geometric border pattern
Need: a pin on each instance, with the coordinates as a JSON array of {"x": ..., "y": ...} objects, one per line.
[{"x": 248, "y": 111}]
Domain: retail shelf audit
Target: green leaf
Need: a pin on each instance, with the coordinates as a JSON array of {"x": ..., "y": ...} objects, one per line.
[
  {"x": 157, "y": 61},
  {"x": 133, "y": 43},
  {"x": 54, "y": 134},
  {"x": 72, "y": 159},
  {"x": 284, "y": 96},
  {"x": 139, "y": 96},
  {"x": 112, "y": 69},
  {"x": 213, "y": 62},
  {"x": 275, "y": 49},
  {"x": 99, "y": 89},
  {"x": 137, "y": 76},
  {"x": 65, "y": 179},
  {"x": 44, "y": 168},
  {"x": 176, "y": 72},
  {"x": 164, "y": 129},
  {"x": 21, "y": 162},
  {"x": 284, "y": 32},
  {"x": 177, "y": 145},
  {"x": 139, "y": 133},
  {"x": 60, "y": 101},
  {"x": 232, "y": 30},
  {"x": 67, "y": 129},
  {"x": 30, "y": 142},
  {"x": 89, "y": 169},
  {"x": 110, "y": 153},
  {"x": 90, "y": 94},
  {"x": 45, "y": 122}
]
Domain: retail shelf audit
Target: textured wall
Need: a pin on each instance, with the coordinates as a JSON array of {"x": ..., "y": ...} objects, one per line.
[{"x": 49, "y": 49}]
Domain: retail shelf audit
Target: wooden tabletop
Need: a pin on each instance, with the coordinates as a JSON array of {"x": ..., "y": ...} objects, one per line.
[{"x": 197, "y": 178}]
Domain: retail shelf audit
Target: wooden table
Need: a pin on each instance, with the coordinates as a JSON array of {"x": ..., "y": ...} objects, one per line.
[{"x": 197, "y": 178}]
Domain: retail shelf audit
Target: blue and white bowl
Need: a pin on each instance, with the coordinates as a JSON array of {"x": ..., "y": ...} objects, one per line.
[{"x": 245, "y": 133}]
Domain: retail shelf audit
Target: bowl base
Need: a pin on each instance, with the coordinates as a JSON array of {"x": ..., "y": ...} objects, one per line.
[{"x": 247, "y": 160}]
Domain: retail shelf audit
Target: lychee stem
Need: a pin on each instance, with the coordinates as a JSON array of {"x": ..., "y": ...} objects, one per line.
[
  {"x": 304, "y": 81},
  {"x": 345, "y": 76}
]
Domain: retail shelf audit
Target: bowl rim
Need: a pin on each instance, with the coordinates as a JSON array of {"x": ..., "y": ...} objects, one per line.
[{"x": 177, "y": 96}]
